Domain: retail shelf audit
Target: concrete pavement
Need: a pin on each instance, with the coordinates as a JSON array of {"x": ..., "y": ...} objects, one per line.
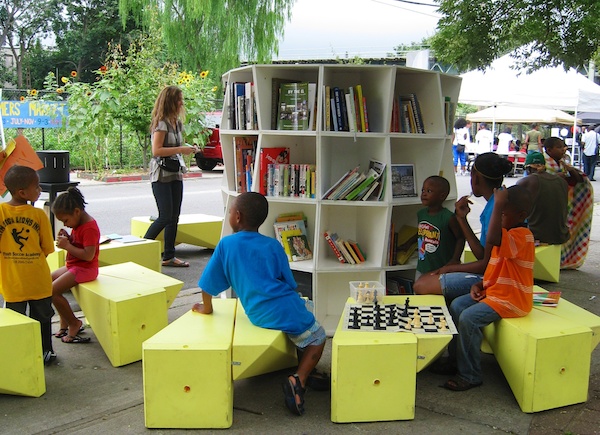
[{"x": 86, "y": 395}]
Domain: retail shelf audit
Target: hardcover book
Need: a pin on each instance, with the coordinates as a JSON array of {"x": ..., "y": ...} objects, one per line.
[
  {"x": 403, "y": 180},
  {"x": 299, "y": 248},
  {"x": 245, "y": 148},
  {"x": 271, "y": 156},
  {"x": 293, "y": 111}
]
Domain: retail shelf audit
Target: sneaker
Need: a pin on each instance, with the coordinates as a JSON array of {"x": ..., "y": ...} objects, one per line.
[{"x": 49, "y": 356}]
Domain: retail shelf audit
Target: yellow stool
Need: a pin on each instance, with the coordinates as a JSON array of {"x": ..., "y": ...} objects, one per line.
[
  {"x": 257, "y": 351},
  {"x": 194, "y": 229},
  {"x": 21, "y": 369},
  {"x": 546, "y": 266},
  {"x": 187, "y": 371}
]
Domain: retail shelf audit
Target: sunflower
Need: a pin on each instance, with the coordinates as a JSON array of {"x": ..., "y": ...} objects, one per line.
[
  {"x": 64, "y": 79},
  {"x": 103, "y": 69},
  {"x": 73, "y": 73},
  {"x": 203, "y": 74},
  {"x": 33, "y": 92},
  {"x": 21, "y": 98},
  {"x": 59, "y": 90},
  {"x": 88, "y": 93},
  {"x": 214, "y": 89}
]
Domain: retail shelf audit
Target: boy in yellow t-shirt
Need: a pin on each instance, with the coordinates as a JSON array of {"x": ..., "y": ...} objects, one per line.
[{"x": 25, "y": 241}]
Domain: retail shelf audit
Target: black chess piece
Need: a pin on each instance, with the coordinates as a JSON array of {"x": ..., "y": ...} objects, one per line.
[{"x": 406, "y": 306}]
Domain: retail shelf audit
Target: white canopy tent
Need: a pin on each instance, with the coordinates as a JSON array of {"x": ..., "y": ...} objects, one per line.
[{"x": 522, "y": 115}]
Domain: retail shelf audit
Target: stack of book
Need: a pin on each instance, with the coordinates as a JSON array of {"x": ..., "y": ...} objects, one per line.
[
  {"x": 406, "y": 115},
  {"x": 346, "y": 251},
  {"x": 242, "y": 106},
  {"x": 293, "y": 180},
  {"x": 546, "y": 299},
  {"x": 345, "y": 109},
  {"x": 402, "y": 244},
  {"x": 290, "y": 231},
  {"x": 296, "y": 105},
  {"x": 357, "y": 186},
  {"x": 245, "y": 153}
]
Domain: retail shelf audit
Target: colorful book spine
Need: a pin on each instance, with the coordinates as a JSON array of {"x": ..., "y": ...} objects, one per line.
[
  {"x": 360, "y": 98},
  {"x": 334, "y": 247}
]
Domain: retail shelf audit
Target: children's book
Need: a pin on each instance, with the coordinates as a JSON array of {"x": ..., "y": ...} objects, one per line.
[
  {"x": 403, "y": 180},
  {"x": 299, "y": 247},
  {"x": 546, "y": 299},
  {"x": 271, "y": 156},
  {"x": 286, "y": 226},
  {"x": 293, "y": 110}
]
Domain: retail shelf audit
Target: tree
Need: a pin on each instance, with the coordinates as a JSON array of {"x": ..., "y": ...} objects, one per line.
[
  {"x": 22, "y": 23},
  {"x": 214, "y": 34},
  {"x": 543, "y": 33}
]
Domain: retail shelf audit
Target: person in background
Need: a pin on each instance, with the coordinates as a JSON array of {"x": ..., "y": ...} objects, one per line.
[
  {"x": 440, "y": 240},
  {"x": 506, "y": 290},
  {"x": 166, "y": 128},
  {"x": 533, "y": 140},
  {"x": 483, "y": 140},
  {"x": 461, "y": 138},
  {"x": 590, "y": 139},
  {"x": 83, "y": 248},
  {"x": 505, "y": 140},
  {"x": 25, "y": 242},
  {"x": 549, "y": 197},
  {"x": 580, "y": 206},
  {"x": 256, "y": 267}
]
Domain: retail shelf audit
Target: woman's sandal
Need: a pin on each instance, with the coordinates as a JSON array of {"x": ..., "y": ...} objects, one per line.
[
  {"x": 63, "y": 332},
  {"x": 75, "y": 340},
  {"x": 459, "y": 384},
  {"x": 292, "y": 388},
  {"x": 175, "y": 262}
]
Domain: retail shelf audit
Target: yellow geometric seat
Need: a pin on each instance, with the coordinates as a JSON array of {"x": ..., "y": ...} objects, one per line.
[
  {"x": 21, "y": 364},
  {"x": 257, "y": 351},
  {"x": 194, "y": 229}
]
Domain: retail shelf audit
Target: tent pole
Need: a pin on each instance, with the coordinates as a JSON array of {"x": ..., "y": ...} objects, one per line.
[
  {"x": 493, "y": 126},
  {"x": 574, "y": 140}
]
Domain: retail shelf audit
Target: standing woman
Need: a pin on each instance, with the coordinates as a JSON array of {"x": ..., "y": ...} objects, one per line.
[
  {"x": 580, "y": 205},
  {"x": 459, "y": 143},
  {"x": 166, "y": 169}
]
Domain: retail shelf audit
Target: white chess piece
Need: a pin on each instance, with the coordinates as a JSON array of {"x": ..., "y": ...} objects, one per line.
[
  {"x": 430, "y": 320},
  {"x": 443, "y": 325}
]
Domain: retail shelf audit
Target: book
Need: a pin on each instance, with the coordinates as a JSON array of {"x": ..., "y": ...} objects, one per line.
[
  {"x": 361, "y": 107},
  {"x": 249, "y": 106},
  {"x": 351, "y": 114},
  {"x": 327, "y": 108},
  {"x": 275, "y": 87},
  {"x": 240, "y": 102},
  {"x": 245, "y": 149},
  {"x": 333, "y": 247},
  {"x": 403, "y": 180},
  {"x": 280, "y": 227},
  {"x": 293, "y": 106},
  {"x": 546, "y": 299},
  {"x": 299, "y": 247},
  {"x": 405, "y": 243},
  {"x": 375, "y": 170},
  {"x": 359, "y": 252},
  {"x": 338, "y": 183},
  {"x": 397, "y": 285},
  {"x": 352, "y": 252},
  {"x": 340, "y": 244},
  {"x": 285, "y": 235},
  {"x": 312, "y": 106},
  {"x": 271, "y": 156}
]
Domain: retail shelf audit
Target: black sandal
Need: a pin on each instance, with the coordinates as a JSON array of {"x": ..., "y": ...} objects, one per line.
[{"x": 292, "y": 387}]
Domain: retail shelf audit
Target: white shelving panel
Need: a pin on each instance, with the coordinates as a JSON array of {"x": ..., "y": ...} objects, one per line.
[{"x": 334, "y": 153}]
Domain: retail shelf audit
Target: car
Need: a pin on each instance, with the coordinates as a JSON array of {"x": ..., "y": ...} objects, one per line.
[{"x": 211, "y": 154}]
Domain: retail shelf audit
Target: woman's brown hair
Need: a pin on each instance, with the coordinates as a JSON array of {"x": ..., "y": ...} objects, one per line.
[{"x": 167, "y": 106}]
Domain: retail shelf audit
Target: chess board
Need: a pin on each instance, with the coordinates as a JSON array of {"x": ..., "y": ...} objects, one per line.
[{"x": 391, "y": 318}]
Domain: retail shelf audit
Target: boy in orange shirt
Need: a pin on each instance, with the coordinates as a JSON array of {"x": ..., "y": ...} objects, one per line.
[{"x": 506, "y": 289}]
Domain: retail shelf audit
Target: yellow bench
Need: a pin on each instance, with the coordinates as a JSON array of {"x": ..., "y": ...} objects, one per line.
[
  {"x": 546, "y": 266},
  {"x": 374, "y": 373},
  {"x": 204, "y": 355},
  {"x": 146, "y": 253},
  {"x": 126, "y": 305},
  {"x": 194, "y": 229},
  {"x": 546, "y": 355},
  {"x": 21, "y": 368}
]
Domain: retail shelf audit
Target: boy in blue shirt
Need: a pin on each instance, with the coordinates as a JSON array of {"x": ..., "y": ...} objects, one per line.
[{"x": 257, "y": 268}]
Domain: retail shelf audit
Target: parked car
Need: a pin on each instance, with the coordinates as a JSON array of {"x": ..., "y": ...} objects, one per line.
[{"x": 211, "y": 155}]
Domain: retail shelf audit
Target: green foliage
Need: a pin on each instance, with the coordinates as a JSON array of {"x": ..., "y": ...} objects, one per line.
[
  {"x": 123, "y": 96},
  {"x": 473, "y": 34},
  {"x": 213, "y": 34}
]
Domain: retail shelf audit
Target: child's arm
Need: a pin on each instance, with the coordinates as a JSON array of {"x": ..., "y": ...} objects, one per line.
[
  {"x": 86, "y": 253},
  {"x": 461, "y": 210},
  {"x": 477, "y": 291},
  {"x": 494, "y": 235},
  {"x": 460, "y": 240},
  {"x": 206, "y": 306}
]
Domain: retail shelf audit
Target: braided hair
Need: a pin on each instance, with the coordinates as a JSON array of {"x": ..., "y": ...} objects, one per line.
[
  {"x": 493, "y": 168},
  {"x": 67, "y": 202}
]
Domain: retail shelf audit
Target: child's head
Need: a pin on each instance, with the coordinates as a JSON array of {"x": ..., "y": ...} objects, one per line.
[
  {"x": 488, "y": 172},
  {"x": 535, "y": 162},
  {"x": 248, "y": 211},
  {"x": 555, "y": 147},
  {"x": 23, "y": 183},
  {"x": 69, "y": 207},
  {"x": 517, "y": 208},
  {"x": 435, "y": 191}
]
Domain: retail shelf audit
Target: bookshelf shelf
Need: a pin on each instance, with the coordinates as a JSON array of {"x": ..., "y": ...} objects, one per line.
[{"x": 333, "y": 153}]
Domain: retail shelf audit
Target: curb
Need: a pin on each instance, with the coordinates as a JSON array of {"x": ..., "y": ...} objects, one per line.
[{"x": 125, "y": 178}]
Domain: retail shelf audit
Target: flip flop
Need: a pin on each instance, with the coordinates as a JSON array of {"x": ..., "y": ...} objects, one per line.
[
  {"x": 292, "y": 388},
  {"x": 63, "y": 332},
  {"x": 459, "y": 384},
  {"x": 175, "y": 262},
  {"x": 75, "y": 340}
]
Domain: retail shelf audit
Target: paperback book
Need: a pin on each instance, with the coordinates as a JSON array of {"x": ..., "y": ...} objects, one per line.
[
  {"x": 293, "y": 107},
  {"x": 403, "y": 180}
]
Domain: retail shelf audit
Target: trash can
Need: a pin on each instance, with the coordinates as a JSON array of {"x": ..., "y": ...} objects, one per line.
[{"x": 56, "y": 166}]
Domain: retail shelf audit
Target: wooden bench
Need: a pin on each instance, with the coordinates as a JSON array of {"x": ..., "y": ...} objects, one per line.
[
  {"x": 146, "y": 253},
  {"x": 374, "y": 374},
  {"x": 194, "y": 229},
  {"x": 21, "y": 368},
  {"x": 546, "y": 355},
  {"x": 204, "y": 355},
  {"x": 126, "y": 305},
  {"x": 546, "y": 266}
]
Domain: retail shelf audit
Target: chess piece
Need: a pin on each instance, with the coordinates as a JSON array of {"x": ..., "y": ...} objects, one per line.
[
  {"x": 368, "y": 297},
  {"x": 417, "y": 319},
  {"x": 409, "y": 324},
  {"x": 359, "y": 296},
  {"x": 443, "y": 326},
  {"x": 361, "y": 285},
  {"x": 405, "y": 312},
  {"x": 430, "y": 320}
]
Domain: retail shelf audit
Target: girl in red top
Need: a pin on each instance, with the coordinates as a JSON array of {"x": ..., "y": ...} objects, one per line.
[{"x": 82, "y": 248}]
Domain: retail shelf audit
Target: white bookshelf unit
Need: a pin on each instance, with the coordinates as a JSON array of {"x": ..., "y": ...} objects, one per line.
[{"x": 334, "y": 153}]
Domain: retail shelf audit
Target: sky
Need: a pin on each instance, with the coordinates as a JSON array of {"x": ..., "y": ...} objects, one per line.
[{"x": 322, "y": 29}]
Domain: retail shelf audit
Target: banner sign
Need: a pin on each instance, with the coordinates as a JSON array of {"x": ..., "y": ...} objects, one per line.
[{"x": 33, "y": 114}]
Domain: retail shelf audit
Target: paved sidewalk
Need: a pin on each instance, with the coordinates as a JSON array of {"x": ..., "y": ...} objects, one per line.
[{"x": 86, "y": 395}]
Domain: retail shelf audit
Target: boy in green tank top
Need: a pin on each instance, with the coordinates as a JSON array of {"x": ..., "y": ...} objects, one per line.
[{"x": 440, "y": 240}]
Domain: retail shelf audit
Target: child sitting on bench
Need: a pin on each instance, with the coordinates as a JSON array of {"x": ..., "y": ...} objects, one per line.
[
  {"x": 257, "y": 269},
  {"x": 506, "y": 290}
]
